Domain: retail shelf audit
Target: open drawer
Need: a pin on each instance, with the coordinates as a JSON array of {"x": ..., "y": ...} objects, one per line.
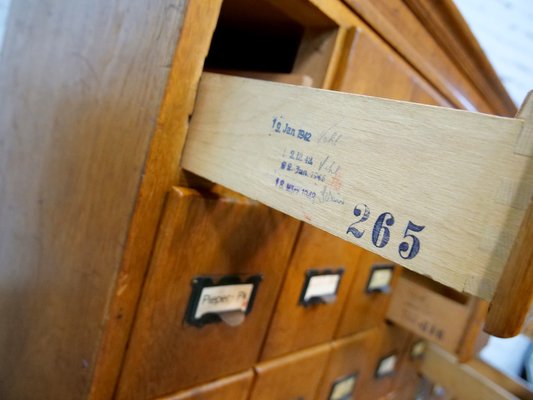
[
  {"x": 472, "y": 380},
  {"x": 445, "y": 193},
  {"x": 442, "y": 315}
]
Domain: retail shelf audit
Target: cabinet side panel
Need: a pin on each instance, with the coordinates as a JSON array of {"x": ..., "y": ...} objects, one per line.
[{"x": 81, "y": 86}]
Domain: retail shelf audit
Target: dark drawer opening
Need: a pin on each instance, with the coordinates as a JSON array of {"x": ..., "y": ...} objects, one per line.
[{"x": 286, "y": 41}]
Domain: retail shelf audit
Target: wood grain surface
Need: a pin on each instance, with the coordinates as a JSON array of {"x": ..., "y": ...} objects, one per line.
[
  {"x": 208, "y": 236},
  {"x": 293, "y": 326},
  {"x": 514, "y": 296},
  {"x": 295, "y": 376},
  {"x": 234, "y": 387},
  {"x": 461, "y": 380},
  {"x": 81, "y": 84},
  {"x": 450, "y": 171},
  {"x": 371, "y": 67},
  {"x": 428, "y": 314},
  {"x": 390, "y": 340},
  {"x": 397, "y": 24},
  {"x": 159, "y": 174},
  {"x": 515, "y": 385},
  {"x": 364, "y": 310},
  {"x": 444, "y": 22},
  {"x": 351, "y": 355}
]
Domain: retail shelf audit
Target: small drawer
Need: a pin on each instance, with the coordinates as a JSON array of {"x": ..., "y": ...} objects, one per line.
[
  {"x": 408, "y": 380},
  {"x": 215, "y": 274},
  {"x": 235, "y": 387},
  {"x": 369, "y": 295},
  {"x": 387, "y": 358},
  {"x": 435, "y": 312},
  {"x": 313, "y": 293},
  {"x": 293, "y": 377},
  {"x": 349, "y": 367}
]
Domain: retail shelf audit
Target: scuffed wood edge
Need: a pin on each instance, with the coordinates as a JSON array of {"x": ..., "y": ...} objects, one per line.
[
  {"x": 514, "y": 294},
  {"x": 161, "y": 167},
  {"x": 462, "y": 380},
  {"x": 473, "y": 338}
]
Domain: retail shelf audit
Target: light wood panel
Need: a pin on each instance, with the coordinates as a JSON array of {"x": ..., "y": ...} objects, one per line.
[
  {"x": 81, "y": 85},
  {"x": 517, "y": 386},
  {"x": 514, "y": 295},
  {"x": 428, "y": 313},
  {"x": 421, "y": 164},
  {"x": 461, "y": 380},
  {"x": 204, "y": 236}
]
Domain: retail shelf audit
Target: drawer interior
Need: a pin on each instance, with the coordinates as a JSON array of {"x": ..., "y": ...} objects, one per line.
[{"x": 269, "y": 39}]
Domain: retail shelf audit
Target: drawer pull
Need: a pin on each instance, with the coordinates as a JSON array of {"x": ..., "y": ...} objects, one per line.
[
  {"x": 228, "y": 300},
  {"x": 232, "y": 318},
  {"x": 320, "y": 287}
]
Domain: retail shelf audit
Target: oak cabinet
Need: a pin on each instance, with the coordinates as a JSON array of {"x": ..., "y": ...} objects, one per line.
[{"x": 103, "y": 237}]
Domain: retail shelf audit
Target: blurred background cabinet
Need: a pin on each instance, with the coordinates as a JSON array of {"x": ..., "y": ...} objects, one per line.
[{"x": 101, "y": 233}]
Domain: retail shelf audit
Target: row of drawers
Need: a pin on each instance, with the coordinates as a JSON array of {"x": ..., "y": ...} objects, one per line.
[
  {"x": 176, "y": 343},
  {"x": 370, "y": 365},
  {"x": 210, "y": 239}
]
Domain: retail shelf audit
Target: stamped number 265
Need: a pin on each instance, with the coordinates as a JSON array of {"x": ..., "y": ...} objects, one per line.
[{"x": 381, "y": 233}]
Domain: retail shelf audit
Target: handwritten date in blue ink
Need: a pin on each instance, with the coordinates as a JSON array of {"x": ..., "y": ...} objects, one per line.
[
  {"x": 294, "y": 189},
  {"x": 299, "y": 156},
  {"x": 381, "y": 231}
]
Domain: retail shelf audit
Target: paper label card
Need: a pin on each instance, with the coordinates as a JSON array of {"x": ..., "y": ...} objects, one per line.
[
  {"x": 212, "y": 302},
  {"x": 386, "y": 366},
  {"x": 380, "y": 278},
  {"x": 217, "y": 299},
  {"x": 343, "y": 388},
  {"x": 320, "y": 287}
]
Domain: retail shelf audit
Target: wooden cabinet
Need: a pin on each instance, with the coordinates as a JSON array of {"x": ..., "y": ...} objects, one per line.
[{"x": 99, "y": 249}]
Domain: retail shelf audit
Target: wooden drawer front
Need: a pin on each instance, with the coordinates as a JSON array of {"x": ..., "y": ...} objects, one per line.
[
  {"x": 366, "y": 307},
  {"x": 429, "y": 314},
  {"x": 407, "y": 379},
  {"x": 235, "y": 387},
  {"x": 296, "y": 323},
  {"x": 391, "y": 342},
  {"x": 204, "y": 237},
  {"x": 372, "y": 68},
  {"x": 293, "y": 377},
  {"x": 350, "y": 365}
]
